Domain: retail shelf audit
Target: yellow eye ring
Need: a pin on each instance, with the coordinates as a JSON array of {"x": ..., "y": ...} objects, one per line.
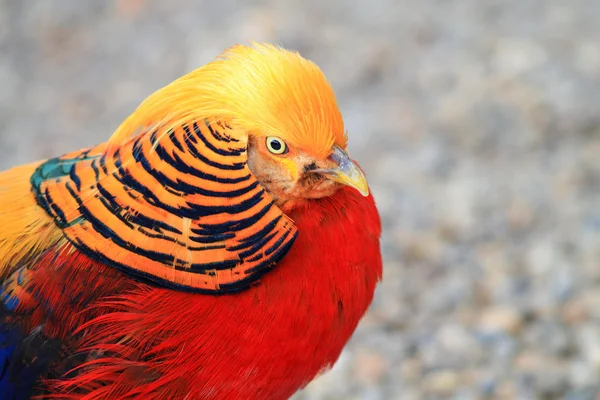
[{"x": 276, "y": 145}]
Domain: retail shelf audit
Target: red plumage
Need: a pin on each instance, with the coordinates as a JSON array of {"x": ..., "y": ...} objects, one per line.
[{"x": 262, "y": 343}]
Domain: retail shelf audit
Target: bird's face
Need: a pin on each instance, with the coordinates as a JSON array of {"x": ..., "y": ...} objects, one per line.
[{"x": 292, "y": 175}]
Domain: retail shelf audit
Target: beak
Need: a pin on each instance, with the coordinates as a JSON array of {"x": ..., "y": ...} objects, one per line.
[{"x": 346, "y": 173}]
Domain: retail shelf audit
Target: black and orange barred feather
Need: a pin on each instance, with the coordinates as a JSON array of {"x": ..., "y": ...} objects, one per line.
[{"x": 183, "y": 211}]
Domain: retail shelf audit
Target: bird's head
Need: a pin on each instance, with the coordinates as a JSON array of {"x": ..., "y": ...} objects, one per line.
[{"x": 282, "y": 105}]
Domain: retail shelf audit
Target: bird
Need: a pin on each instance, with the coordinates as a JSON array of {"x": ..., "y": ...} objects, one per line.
[{"x": 221, "y": 244}]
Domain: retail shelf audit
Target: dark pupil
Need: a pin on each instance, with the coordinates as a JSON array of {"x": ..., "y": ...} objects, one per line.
[{"x": 276, "y": 145}]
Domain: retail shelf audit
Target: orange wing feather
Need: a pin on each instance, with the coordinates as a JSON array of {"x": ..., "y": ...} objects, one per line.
[{"x": 26, "y": 229}]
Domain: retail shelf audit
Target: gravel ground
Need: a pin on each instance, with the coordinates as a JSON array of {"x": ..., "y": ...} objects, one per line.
[{"x": 478, "y": 125}]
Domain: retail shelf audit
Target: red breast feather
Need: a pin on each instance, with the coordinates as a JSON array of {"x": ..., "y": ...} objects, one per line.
[{"x": 263, "y": 343}]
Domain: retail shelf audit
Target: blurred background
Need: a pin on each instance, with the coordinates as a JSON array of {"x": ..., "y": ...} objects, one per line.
[{"x": 477, "y": 123}]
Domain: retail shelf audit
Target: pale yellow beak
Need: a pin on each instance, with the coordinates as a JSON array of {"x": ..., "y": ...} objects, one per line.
[{"x": 347, "y": 172}]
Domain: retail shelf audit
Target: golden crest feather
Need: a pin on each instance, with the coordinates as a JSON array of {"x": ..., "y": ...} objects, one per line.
[{"x": 260, "y": 90}]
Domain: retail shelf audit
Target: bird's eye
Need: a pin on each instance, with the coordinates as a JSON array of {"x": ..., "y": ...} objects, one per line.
[{"x": 276, "y": 145}]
